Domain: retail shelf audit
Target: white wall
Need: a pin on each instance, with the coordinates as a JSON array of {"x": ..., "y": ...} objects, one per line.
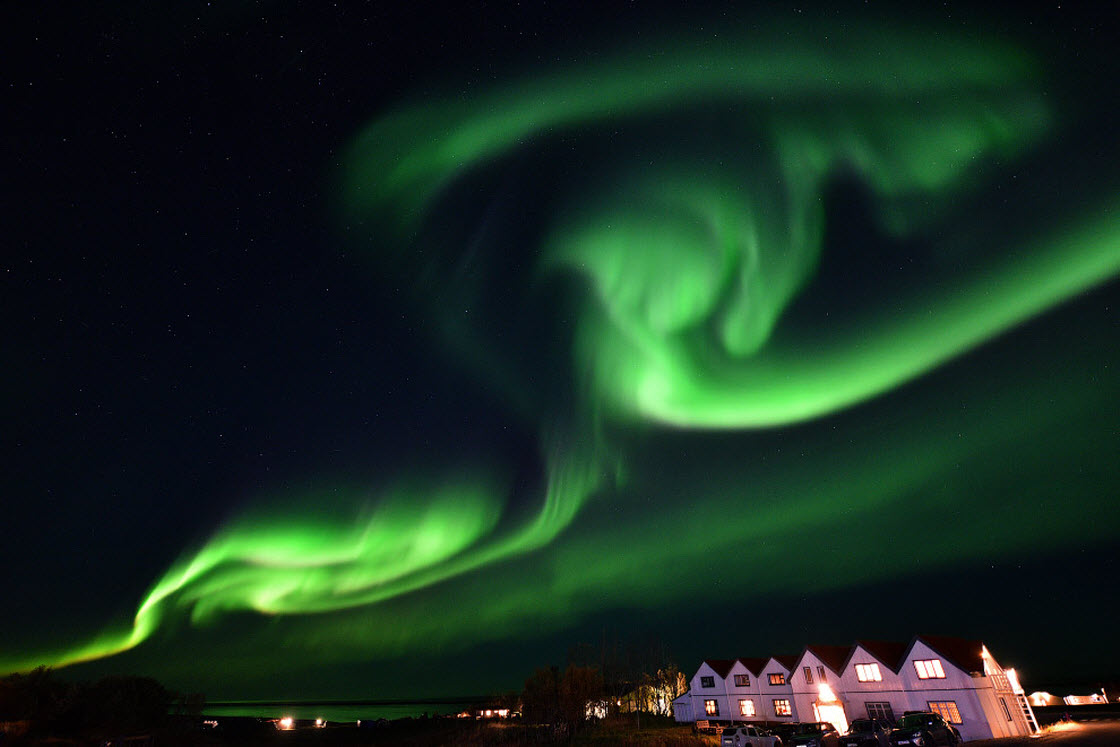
[
  {"x": 805, "y": 694},
  {"x": 957, "y": 686},
  {"x": 735, "y": 693},
  {"x": 768, "y": 692},
  {"x": 718, "y": 691},
  {"x": 682, "y": 709},
  {"x": 856, "y": 695},
  {"x": 977, "y": 698}
]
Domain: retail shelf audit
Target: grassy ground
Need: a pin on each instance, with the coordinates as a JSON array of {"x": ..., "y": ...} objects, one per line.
[
  {"x": 431, "y": 732},
  {"x": 422, "y": 732}
]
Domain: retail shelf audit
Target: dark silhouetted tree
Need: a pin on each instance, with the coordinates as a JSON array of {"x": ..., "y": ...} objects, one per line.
[
  {"x": 580, "y": 687},
  {"x": 540, "y": 701},
  {"x": 127, "y": 705}
]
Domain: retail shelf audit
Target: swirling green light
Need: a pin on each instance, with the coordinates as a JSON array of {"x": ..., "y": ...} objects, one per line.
[
  {"x": 341, "y": 550},
  {"x": 691, "y": 256},
  {"x": 399, "y": 164},
  {"x": 653, "y": 372},
  {"x": 693, "y": 260}
]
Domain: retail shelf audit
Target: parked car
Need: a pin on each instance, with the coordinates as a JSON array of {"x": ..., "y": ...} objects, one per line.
[
  {"x": 784, "y": 730},
  {"x": 816, "y": 734},
  {"x": 867, "y": 732},
  {"x": 923, "y": 729},
  {"x": 746, "y": 734}
]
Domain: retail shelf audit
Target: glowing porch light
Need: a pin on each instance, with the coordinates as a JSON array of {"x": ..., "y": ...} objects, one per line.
[
  {"x": 286, "y": 723},
  {"x": 828, "y": 708},
  {"x": 320, "y": 723}
]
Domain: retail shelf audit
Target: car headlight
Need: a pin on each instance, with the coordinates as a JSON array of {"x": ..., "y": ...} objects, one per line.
[{"x": 916, "y": 738}]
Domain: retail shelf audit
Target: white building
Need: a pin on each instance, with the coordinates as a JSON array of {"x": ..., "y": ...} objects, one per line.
[
  {"x": 816, "y": 681},
  {"x": 957, "y": 678},
  {"x": 776, "y": 690}
]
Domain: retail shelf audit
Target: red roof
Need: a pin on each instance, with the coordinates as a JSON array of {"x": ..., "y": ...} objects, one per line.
[
  {"x": 789, "y": 662},
  {"x": 722, "y": 667},
  {"x": 890, "y": 653},
  {"x": 833, "y": 657},
  {"x": 754, "y": 665},
  {"x": 966, "y": 655},
  {"x": 963, "y": 653}
]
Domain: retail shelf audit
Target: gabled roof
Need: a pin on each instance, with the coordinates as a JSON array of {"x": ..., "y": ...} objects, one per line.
[
  {"x": 962, "y": 653},
  {"x": 833, "y": 657},
  {"x": 722, "y": 667},
  {"x": 753, "y": 665},
  {"x": 890, "y": 653},
  {"x": 789, "y": 662}
]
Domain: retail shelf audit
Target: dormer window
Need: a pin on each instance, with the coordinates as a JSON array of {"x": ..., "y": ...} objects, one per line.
[
  {"x": 777, "y": 678},
  {"x": 929, "y": 669}
]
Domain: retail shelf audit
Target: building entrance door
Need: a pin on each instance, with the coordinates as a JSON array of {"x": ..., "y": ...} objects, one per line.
[{"x": 832, "y": 713}]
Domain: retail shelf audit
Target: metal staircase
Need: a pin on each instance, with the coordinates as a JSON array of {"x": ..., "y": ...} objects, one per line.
[{"x": 1028, "y": 712}]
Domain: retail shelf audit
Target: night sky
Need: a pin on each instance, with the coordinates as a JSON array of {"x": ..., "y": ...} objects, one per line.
[{"x": 361, "y": 352}]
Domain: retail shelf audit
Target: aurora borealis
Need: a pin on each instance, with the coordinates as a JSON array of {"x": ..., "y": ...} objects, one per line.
[{"x": 366, "y": 356}]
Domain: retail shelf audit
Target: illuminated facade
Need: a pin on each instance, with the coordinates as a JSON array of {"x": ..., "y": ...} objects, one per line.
[{"x": 957, "y": 678}]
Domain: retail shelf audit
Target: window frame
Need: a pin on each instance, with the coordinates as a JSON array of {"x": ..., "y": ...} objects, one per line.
[
  {"x": 882, "y": 708},
  {"x": 707, "y": 682},
  {"x": 746, "y": 704},
  {"x": 946, "y": 709},
  {"x": 777, "y": 678},
  {"x": 787, "y": 707},
  {"x": 820, "y": 671},
  {"x": 742, "y": 680},
  {"x": 808, "y": 672},
  {"x": 929, "y": 669},
  {"x": 711, "y": 706},
  {"x": 871, "y": 670}
]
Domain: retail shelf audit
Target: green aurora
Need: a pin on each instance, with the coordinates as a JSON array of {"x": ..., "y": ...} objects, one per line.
[{"x": 686, "y": 254}]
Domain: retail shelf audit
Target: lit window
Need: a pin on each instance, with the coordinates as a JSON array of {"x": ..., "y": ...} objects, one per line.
[
  {"x": 880, "y": 710},
  {"x": 782, "y": 708},
  {"x": 707, "y": 682},
  {"x": 777, "y": 679},
  {"x": 742, "y": 680},
  {"x": 929, "y": 669},
  {"x": 820, "y": 671},
  {"x": 711, "y": 707},
  {"x": 947, "y": 709},
  {"x": 808, "y": 675},
  {"x": 746, "y": 707},
  {"x": 868, "y": 673}
]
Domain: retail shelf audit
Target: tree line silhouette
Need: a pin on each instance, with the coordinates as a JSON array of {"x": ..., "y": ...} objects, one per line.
[{"x": 38, "y": 704}]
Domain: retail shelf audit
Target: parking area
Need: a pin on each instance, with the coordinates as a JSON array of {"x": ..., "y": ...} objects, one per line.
[{"x": 1072, "y": 734}]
